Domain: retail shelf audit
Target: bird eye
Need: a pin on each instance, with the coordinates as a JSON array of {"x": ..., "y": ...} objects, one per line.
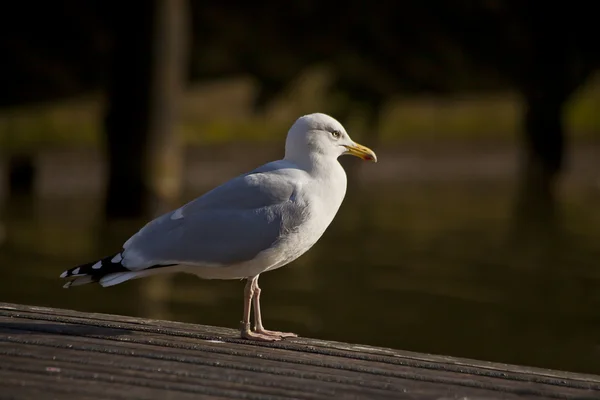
[{"x": 336, "y": 134}]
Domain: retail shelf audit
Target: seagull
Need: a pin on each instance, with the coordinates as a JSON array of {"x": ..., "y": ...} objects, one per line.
[{"x": 254, "y": 223}]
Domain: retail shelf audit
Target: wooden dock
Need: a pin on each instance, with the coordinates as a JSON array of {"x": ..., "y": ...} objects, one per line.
[{"x": 60, "y": 354}]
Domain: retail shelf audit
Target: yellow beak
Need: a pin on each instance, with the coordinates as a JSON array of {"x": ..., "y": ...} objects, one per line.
[{"x": 361, "y": 151}]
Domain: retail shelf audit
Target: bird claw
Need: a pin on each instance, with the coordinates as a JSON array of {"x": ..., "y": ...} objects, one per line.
[
  {"x": 276, "y": 334},
  {"x": 249, "y": 335}
]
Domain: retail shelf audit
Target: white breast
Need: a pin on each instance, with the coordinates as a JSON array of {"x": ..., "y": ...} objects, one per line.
[
  {"x": 324, "y": 200},
  {"x": 323, "y": 197}
]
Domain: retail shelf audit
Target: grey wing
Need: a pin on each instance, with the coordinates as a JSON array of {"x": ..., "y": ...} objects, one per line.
[{"x": 231, "y": 224}]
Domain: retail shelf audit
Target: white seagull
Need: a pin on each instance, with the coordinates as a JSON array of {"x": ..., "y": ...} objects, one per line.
[{"x": 256, "y": 222}]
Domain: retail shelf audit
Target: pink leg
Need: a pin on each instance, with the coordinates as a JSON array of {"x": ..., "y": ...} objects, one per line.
[
  {"x": 258, "y": 326},
  {"x": 245, "y": 331}
]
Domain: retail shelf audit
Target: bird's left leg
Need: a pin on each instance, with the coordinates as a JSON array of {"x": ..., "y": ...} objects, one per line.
[
  {"x": 245, "y": 331},
  {"x": 258, "y": 326}
]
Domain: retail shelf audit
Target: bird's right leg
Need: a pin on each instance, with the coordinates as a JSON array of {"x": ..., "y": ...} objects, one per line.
[
  {"x": 245, "y": 331},
  {"x": 258, "y": 326}
]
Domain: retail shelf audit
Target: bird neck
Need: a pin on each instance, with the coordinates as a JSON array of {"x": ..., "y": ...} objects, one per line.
[{"x": 315, "y": 164}]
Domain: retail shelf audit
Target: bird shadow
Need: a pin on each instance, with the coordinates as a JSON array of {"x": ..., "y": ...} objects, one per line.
[{"x": 35, "y": 328}]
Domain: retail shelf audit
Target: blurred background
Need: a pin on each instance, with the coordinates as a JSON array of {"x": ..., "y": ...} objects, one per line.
[{"x": 476, "y": 235}]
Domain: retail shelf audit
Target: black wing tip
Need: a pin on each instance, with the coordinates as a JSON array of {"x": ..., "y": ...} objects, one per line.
[{"x": 96, "y": 269}]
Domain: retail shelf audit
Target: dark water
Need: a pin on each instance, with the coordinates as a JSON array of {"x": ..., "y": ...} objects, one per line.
[{"x": 424, "y": 266}]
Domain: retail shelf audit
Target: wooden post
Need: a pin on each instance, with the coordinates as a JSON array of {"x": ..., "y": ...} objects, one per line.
[
  {"x": 148, "y": 75},
  {"x": 542, "y": 159},
  {"x": 21, "y": 174}
]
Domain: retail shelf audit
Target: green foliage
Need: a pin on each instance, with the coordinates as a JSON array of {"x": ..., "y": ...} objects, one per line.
[
  {"x": 476, "y": 117},
  {"x": 73, "y": 123},
  {"x": 583, "y": 111}
]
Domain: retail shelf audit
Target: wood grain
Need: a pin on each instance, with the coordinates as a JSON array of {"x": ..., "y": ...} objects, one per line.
[{"x": 61, "y": 354}]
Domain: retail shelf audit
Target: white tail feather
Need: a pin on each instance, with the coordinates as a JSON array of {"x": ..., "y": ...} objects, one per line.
[{"x": 120, "y": 277}]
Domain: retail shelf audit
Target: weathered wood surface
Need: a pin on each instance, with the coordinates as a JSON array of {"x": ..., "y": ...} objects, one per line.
[{"x": 57, "y": 354}]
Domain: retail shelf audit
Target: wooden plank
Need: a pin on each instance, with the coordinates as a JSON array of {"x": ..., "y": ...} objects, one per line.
[{"x": 69, "y": 354}]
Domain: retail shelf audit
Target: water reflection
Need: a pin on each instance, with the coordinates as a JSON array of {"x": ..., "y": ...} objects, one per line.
[{"x": 427, "y": 266}]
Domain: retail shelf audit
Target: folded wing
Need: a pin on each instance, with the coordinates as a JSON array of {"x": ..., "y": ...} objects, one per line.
[{"x": 230, "y": 224}]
